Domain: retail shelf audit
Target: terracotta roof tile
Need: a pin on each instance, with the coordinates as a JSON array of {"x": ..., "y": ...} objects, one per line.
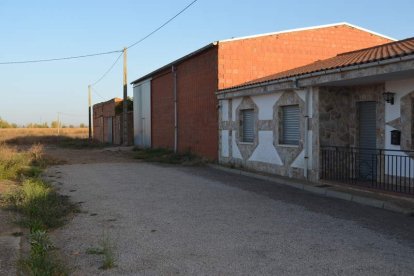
[{"x": 382, "y": 52}]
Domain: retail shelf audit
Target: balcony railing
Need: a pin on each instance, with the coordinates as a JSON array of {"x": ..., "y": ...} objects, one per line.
[{"x": 390, "y": 170}]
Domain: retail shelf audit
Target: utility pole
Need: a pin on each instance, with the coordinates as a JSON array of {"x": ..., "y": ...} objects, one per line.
[
  {"x": 125, "y": 105},
  {"x": 90, "y": 111}
]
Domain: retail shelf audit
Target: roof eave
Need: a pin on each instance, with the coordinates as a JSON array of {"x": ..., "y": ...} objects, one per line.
[{"x": 175, "y": 62}]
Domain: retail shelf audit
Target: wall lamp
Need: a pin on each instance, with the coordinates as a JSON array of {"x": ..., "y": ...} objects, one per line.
[{"x": 389, "y": 97}]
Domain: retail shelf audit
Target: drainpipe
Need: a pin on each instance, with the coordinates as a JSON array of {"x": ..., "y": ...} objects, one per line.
[
  {"x": 306, "y": 140},
  {"x": 174, "y": 71}
]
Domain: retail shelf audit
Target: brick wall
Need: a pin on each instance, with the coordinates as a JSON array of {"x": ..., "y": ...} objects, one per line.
[
  {"x": 98, "y": 122},
  {"x": 197, "y": 113},
  {"x": 101, "y": 112},
  {"x": 248, "y": 59},
  {"x": 197, "y": 105},
  {"x": 162, "y": 111}
]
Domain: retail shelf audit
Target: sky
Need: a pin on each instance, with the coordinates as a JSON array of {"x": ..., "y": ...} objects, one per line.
[{"x": 51, "y": 29}]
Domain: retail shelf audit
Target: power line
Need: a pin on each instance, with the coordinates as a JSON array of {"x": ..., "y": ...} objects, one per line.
[
  {"x": 107, "y": 71},
  {"x": 96, "y": 92},
  {"x": 101, "y": 53},
  {"x": 163, "y": 25},
  {"x": 141, "y": 40},
  {"x": 62, "y": 58}
]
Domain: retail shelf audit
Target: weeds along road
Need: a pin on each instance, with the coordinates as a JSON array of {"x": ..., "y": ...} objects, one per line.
[{"x": 164, "y": 220}]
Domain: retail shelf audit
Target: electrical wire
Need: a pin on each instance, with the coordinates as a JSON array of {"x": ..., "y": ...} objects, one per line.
[
  {"x": 109, "y": 70},
  {"x": 96, "y": 93},
  {"x": 62, "y": 58},
  {"x": 141, "y": 40},
  {"x": 102, "y": 53},
  {"x": 163, "y": 25}
]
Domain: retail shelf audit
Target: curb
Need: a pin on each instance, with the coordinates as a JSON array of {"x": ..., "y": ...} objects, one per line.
[{"x": 326, "y": 192}]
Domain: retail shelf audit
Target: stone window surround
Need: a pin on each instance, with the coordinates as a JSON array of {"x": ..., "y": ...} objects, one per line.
[
  {"x": 246, "y": 148},
  {"x": 290, "y": 152},
  {"x": 288, "y": 98}
]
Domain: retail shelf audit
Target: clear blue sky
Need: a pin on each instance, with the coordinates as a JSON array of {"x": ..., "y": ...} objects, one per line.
[{"x": 48, "y": 29}]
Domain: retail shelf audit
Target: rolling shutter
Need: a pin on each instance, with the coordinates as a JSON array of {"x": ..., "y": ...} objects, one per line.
[
  {"x": 290, "y": 128},
  {"x": 248, "y": 125}
]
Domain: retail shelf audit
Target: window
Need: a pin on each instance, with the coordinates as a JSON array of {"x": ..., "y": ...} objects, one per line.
[
  {"x": 290, "y": 125},
  {"x": 247, "y": 125}
]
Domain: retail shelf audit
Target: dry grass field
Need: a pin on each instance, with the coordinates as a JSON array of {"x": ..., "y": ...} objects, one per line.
[{"x": 12, "y": 133}]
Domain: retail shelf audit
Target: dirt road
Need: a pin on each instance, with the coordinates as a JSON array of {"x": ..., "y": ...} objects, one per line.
[{"x": 166, "y": 220}]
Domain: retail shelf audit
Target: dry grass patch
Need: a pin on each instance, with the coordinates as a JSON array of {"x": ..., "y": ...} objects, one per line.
[
  {"x": 40, "y": 205},
  {"x": 76, "y": 138},
  {"x": 12, "y": 133}
]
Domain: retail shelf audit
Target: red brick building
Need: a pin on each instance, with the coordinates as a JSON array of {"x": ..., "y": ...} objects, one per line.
[
  {"x": 107, "y": 122},
  {"x": 175, "y": 106}
]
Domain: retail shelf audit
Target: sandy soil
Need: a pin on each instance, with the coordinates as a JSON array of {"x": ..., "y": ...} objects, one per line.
[{"x": 88, "y": 156}]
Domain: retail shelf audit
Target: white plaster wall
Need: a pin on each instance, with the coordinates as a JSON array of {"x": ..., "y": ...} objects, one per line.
[
  {"x": 392, "y": 112},
  {"x": 235, "y": 104},
  {"x": 265, "y": 151},
  {"x": 225, "y": 143},
  {"x": 224, "y": 110},
  {"x": 235, "y": 149},
  {"x": 401, "y": 88},
  {"x": 299, "y": 162},
  {"x": 265, "y": 104}
]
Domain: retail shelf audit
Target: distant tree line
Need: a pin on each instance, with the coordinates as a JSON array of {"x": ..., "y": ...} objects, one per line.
[
  {"x": 53, "y": 124},
  {"x": 5, "y": 124}
]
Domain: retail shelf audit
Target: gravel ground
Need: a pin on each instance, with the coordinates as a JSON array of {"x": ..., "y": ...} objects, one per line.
[{"x": 171, "y": 220}]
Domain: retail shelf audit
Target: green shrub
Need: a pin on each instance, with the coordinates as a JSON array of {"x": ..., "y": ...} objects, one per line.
[
  {"x": 167, "y": 156},
  {"x": 41, "y": 261},
  {"x": 42, "y": 207},
  {"x": 106, "y": 250},
  {"x": 14, "y": 164}
]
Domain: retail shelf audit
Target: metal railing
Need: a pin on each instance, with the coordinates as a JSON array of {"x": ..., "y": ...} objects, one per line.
[{"x": 391, "y": 170}]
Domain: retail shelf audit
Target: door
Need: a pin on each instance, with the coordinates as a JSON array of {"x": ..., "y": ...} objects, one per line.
[
  {"x": 109, "y": 133},
  {"x": 142, "y": 114},
  {"x": 367, "y": 112}
]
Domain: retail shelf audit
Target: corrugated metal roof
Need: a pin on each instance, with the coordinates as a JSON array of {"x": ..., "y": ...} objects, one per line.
[{"x": 377, "y": 53}]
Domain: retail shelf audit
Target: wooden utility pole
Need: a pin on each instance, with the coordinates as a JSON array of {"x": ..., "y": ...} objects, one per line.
[
  {"x": 125, "y": 104},
  {"x": 90, "y": 111}
]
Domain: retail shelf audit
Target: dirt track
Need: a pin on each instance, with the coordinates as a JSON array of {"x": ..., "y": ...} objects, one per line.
[
  {"x": 88, "y": 156},
  {"x": 166, "y": 220}
]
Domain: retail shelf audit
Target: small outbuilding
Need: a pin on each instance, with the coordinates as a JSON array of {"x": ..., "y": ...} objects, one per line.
[{"x": 107, "y": 122}]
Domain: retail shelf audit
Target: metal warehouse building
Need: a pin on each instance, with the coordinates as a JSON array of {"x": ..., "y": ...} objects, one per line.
[{"x": 175, "y": 106}]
